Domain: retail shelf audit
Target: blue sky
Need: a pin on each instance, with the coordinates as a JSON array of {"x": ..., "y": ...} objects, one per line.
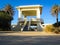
[{"x": 46, "y": 14}]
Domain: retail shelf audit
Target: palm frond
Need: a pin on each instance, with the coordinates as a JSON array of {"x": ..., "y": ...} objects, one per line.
[{"x": 8, "y": 8}]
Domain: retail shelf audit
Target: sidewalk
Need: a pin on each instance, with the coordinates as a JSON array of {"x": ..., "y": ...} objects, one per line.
[{"x": 26, "y": 33}]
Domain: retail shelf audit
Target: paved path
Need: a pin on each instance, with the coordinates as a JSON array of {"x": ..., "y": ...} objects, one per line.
[{"x": 29, "y": 40}]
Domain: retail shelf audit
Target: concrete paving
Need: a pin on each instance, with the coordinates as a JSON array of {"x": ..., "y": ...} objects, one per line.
[{"x": 9, "y": 39}]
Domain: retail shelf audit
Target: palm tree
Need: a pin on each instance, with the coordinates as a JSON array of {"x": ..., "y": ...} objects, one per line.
[
  {"x": 9, "y": 10},
  {"x": 4, "y": 19},
  {"x": 6, "y": 16},
  {"x": 55, "y": 10}
]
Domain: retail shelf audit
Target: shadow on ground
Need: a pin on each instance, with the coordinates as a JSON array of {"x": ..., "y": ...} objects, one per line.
[
  {"x": 29, "y": 40},
  {"x": 9, "y": 31}
]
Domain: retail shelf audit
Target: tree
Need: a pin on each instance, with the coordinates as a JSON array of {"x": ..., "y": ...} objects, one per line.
[
  {"x": 6, "y": 16},
  {"x": 4, "y": 19},
  {"x": 55, "y": 10},
  {"x": 9, "y": 10}
]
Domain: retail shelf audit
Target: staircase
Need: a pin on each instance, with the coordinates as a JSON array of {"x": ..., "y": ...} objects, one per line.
[
  {"x": 17, "y": 27},
  {"x": 29, "y": 25},
  {"x": 24, "y": 26}
]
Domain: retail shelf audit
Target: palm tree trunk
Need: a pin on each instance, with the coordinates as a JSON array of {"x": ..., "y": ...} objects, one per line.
[{"x": 57, "y": 19}]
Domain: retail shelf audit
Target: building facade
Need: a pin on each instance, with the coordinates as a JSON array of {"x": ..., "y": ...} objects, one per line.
[{"x": 29, "y": 10}]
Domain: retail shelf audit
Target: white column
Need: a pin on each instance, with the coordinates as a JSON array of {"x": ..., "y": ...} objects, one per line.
[
  {"x": 38, "y": 17},
  {"x": 38, "y": 13},
  {"x": 19, "y": 14}
]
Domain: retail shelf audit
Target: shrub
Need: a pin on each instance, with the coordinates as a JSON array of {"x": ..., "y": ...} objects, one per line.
[
  {"x": 55, "y": 24},
  {"x": 57, "y": 30},
  {"x": 51, "y": 28}
]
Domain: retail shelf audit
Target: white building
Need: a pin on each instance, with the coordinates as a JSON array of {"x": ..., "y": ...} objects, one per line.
[{"x": 29, "y": 10}]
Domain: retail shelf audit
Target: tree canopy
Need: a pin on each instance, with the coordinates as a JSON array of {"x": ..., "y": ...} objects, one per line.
[
  {"x": 6, "y": 16},
  {"x": 54, "y": 11}
]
